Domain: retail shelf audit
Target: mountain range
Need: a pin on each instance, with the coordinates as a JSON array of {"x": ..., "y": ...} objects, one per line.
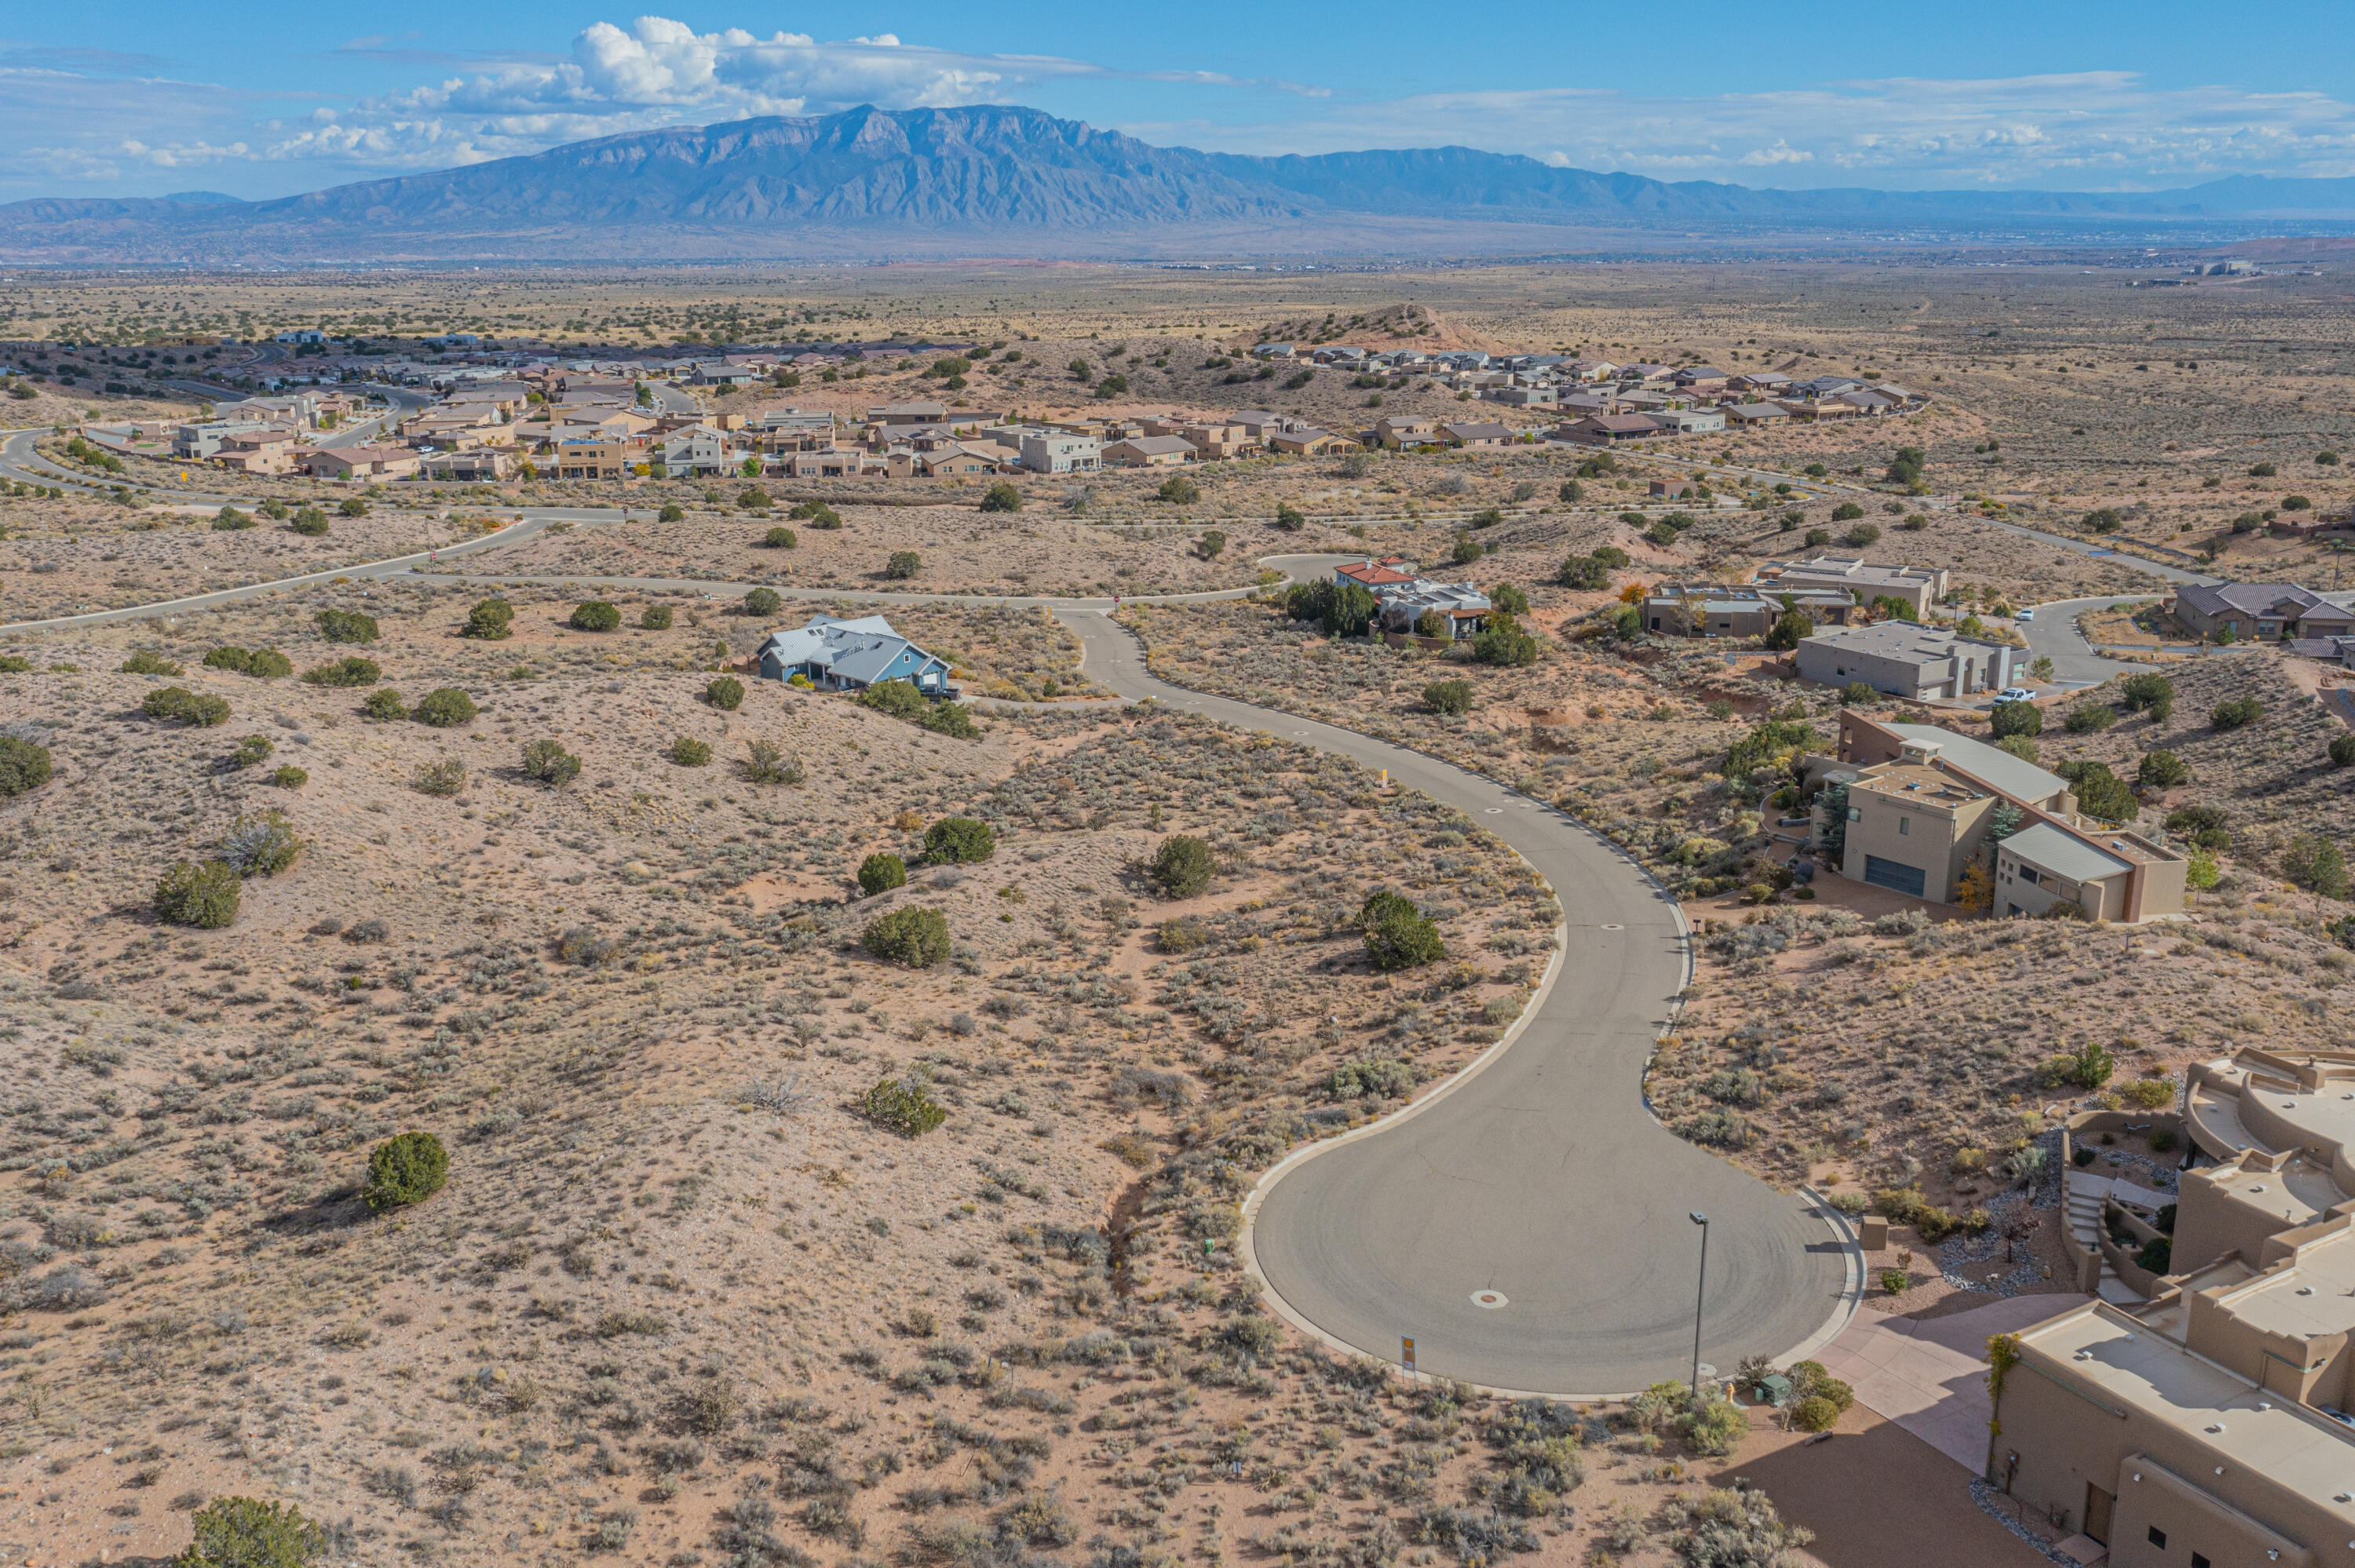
[{"x": 1010, "y": 180}]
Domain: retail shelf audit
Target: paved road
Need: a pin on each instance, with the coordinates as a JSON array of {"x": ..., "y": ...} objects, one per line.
[{"x": 1540, "y": 1177}]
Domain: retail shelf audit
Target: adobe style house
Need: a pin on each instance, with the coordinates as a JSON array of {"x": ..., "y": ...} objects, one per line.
[
  {"x": 1917, "y": 588},
  {"x": 2202, "y": 1414},
  {"x": 1607, "y": 430},
  {"x": 1905, "y": 659},
  {"x": 1148, "y": 452},
  {"x": 1710, "y": 610},
  {"x": 1922, "y": 805},
  {"x": 2263, "y": 612},
  {"x": 837, "y": 655}
]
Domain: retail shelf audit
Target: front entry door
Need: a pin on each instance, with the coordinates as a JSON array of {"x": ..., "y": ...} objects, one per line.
[{"x": 2098, "y": 1504}]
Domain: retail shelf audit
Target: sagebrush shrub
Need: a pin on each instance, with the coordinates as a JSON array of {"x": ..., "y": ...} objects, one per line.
[
  {"x": 204, "y": 894},
  {"x": 689, "y": 752},
  {"x": 444, "y": 777},
  {"x": 310, "y": 520},
  {"x": 260, "y": 845},
  {"x": 781, "y": 539},
  {"x": 404, "y": 1170},
  {"x": 244, "y": 1533},
  {"x": 253, "y": 749},
  {"x": 656, "y": 618},
  {"x": 548, "y": 762},
  {"x": 725, "y": 693},
  {"x": 765, "y": 762},
  {"x": 1449, "y": 696},
  {"x": 289, "y": 778},
  {"x": 147, "y": 661},
  {"x": 383, "y": 705},
  {"x": 762, "y": 602},
  {"x": 906, "y": 1108},
  {"x": 596, "y": 615}
]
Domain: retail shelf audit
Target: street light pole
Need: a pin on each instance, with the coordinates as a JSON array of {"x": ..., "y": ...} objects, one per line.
[{"x": 1700, "y": 1296}]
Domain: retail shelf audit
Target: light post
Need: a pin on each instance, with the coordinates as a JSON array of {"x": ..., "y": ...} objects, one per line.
[{"x": 1699, "y": 1296}]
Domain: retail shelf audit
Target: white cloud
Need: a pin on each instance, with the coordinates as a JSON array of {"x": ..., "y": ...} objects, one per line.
[{"x": 2097, "y": 130}]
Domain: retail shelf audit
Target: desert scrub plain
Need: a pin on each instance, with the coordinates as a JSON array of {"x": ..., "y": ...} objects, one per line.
[
  {"x": 61, "y": 557},
  {"x": 680, "y": 1301}
]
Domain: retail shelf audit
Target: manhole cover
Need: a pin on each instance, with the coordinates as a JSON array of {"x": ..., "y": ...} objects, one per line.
[
  {"x": 1614, "y": 928},
  {"x": 1494, "y": 810},
  {"x": 1707, "y": 1370},
  {"x": 1491, "y": 1299}
]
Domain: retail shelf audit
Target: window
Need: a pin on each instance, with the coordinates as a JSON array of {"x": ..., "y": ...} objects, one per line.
[
  {"x": 2157, "y": 1536},
  {"x": 1905, "y": 827},
  {"x": 2199, "y": 1561}
]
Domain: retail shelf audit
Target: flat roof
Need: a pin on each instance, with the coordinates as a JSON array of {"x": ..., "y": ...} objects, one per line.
[
  {"x": 2323, "y": 1118},
  {"x": 1998, "y": 769},
  {"x": 2305, "y": 1299},
  {"x": 1919, "y": 786},
  {"x": 2133, "y": 1364},
  {"x": 2047, "y": 848}
]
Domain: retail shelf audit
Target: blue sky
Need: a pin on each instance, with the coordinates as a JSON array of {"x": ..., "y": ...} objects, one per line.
[{"x": 274, "y": 98}]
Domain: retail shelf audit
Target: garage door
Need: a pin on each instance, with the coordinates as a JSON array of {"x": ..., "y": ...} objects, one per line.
[{"x": 1895, "y": 876}]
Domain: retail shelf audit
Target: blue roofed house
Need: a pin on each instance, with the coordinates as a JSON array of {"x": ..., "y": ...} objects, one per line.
[{"x": 837, "y": 655}]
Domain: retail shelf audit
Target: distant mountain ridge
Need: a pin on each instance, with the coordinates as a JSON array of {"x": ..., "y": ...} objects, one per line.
[{"x": 984, "y": 174}]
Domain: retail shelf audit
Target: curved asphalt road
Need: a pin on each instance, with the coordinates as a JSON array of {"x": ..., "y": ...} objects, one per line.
[{"x": 1539, "y": 1175}]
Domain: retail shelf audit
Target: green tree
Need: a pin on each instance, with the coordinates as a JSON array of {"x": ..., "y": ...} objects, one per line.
[
  {"x": 352, "y": 670},
  {"x": 2016, "y": 718},
  {"x": 2087, "y": 717},
  {"x": 354, "y": 506},
  {"x": 1509, "y": 599},
  {"x": 2317, "y": 864},
  {"x": 1001, "y": 497},
  {"x": 1397, "y": 934},
  {"x": 904, "y": 564},
  {"x": 1585, "y": 573},
  {"x": 1572, "y": 492},
  {"x": 912, "y": 939},
  {"x": 754, "y": 499},
  {"x": 2100, "y": 792},
  {"x": 1182, "y": 866},
  {"x": 228, "y": 519},
  {"x": 147, "y": 661},
  {"x": 1465, "y": 550},
  {"x": 762, "y": 602},
  {"x": 672, "y": 512},
  {"x": 595, "y": 615},
  {"x": 1502, "y": 641},
  {"x": 2161, "y": 771},
  {"x": 880, "y": 873},
  {"x": 491, "y": 620},
  {"x": 242, "y": 1532},
  {"x": 403, "y": 1169},
  {"x": 1449, "y": 696},
  {"x": 548, "y": 762},
  {"x": 655, "y": 617},
  {"x": 1289, "y": 519},
  {"x": 781, "y": 539},
  {"x": 25, "y": 766},
  {"x": 2237, "y": 714},
  {"x": 2148, "y": 693},
  {"x": 725, "y": 693},
  {"x": 959, "y": 840},
  {"x": 310, "y": 520},
  {"x": 1179, "y": 491},
  {"x": 445, "y": 708},
  {"x": 346, "y": 626},
  {"x": 201, "y": 709},
  {"x": 1846, "y": 512},
  {"x": 204, "y": 894},
  {"x": 1789, "y": 627},
  {"x": 689, "y": 752},
  {"x": 2342, "y": 751}
]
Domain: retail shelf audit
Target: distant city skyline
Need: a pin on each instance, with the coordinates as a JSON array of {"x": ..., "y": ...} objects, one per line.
[{"x": 279, "y": 99}]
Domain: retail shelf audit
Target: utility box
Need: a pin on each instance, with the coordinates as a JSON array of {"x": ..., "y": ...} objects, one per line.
[{"x": 1872, "y": 1230}]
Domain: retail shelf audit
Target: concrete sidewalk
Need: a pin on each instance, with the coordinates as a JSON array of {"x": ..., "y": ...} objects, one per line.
[{"x": 1929, "y": 1375}]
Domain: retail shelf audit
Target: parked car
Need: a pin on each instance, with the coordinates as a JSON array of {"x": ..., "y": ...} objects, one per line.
[
  {"x": 2015, "y": 694},
  {"x": 2025, "y": 615}
]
